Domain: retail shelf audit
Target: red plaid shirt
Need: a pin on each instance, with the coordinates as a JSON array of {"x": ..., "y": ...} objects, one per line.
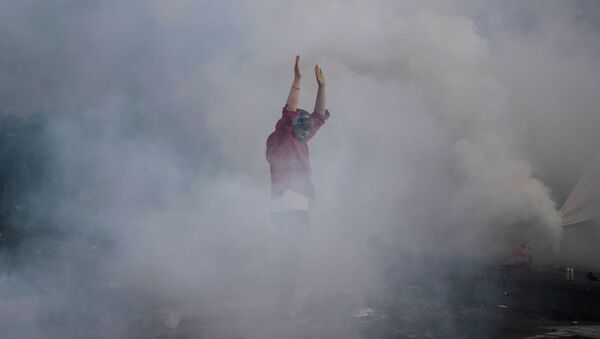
[{"x": 288, "y": 157}]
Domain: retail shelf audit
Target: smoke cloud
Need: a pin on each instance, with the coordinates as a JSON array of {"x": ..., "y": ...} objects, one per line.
[{"x": 455, "y": 130}]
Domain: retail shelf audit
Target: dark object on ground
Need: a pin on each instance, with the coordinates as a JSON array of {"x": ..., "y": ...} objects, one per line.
[{"x": 591, "y": 276}]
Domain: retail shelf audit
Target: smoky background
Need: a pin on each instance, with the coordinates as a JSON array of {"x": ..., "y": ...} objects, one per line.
[{"x": 133, "y": 173}]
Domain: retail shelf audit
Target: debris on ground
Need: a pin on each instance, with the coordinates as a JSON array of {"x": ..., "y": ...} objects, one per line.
[
  {"x": 570, "y": 273},
  {"x": 571, "y": 332},
  {"x": 365, "y": 312}
]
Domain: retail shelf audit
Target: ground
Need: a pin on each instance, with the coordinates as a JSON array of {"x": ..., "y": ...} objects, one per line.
[
  {"x": 494, "y": 302},
  {"x": 436, "y": 299}
]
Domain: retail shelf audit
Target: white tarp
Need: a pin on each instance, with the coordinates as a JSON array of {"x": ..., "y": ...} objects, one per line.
[{"x": 583, "y": 203}]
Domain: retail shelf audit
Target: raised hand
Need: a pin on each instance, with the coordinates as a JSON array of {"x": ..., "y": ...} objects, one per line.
[
  {"x": 294, "y": 96},
  {"x": 320, "y": 101},
  {"x": 297, "y": 68},
  {"x": 319, "y": 75}
]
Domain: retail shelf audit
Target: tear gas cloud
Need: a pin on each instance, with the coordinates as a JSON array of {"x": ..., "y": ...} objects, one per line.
[{"x": 456, "y": 129}]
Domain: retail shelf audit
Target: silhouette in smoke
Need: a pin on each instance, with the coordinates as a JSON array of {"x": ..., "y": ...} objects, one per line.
[
  {"x": 291, "y": 186},
  {"x": 287, "y": 148}
]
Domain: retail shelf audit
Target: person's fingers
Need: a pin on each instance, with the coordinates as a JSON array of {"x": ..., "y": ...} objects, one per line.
[{"x": 319, "y": 73}]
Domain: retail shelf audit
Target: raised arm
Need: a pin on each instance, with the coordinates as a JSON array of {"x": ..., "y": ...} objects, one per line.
[
  {"x": 320, "y": 101},
  {"x": 294, "y": 96},
  {"x": 320, "y": 114}
]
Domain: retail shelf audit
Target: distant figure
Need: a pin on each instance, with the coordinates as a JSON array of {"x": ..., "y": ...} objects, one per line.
[
  {"x": 291, "y": 186},
  {"x": 520, "y": 256}
]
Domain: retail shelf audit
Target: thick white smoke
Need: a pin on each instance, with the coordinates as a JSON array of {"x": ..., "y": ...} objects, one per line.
[
  {"x": 445, "y": 118},
  {"x": 421, "y": 140}
]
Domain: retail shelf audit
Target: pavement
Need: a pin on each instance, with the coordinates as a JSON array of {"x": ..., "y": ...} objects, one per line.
[
  {"x": 484, "y": 302},
  {"x": 440, "y": 298}
]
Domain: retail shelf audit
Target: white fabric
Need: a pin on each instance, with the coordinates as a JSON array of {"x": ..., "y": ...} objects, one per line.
[
  {"x": 290, "y": 200},
  {"x": 583, "y": 203}
]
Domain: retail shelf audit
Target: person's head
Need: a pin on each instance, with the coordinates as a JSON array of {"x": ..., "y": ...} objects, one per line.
[{"x": 302, "y": 125}]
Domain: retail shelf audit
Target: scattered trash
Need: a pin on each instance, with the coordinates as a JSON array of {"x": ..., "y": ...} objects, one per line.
[
  {"x": 570, "y": 273},
  {"x": 591, "y": 276},
  {"x": 572, "y": 332},
  {"x": 506, "y": 293},
  {"x": 502, "y": 306},
  {"x": 365, "y": 312}
]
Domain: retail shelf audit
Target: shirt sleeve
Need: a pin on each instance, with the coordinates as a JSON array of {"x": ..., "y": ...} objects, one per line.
[
  {"x": 318, "y": 121},
  {"x": 284, "y": 124}
]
